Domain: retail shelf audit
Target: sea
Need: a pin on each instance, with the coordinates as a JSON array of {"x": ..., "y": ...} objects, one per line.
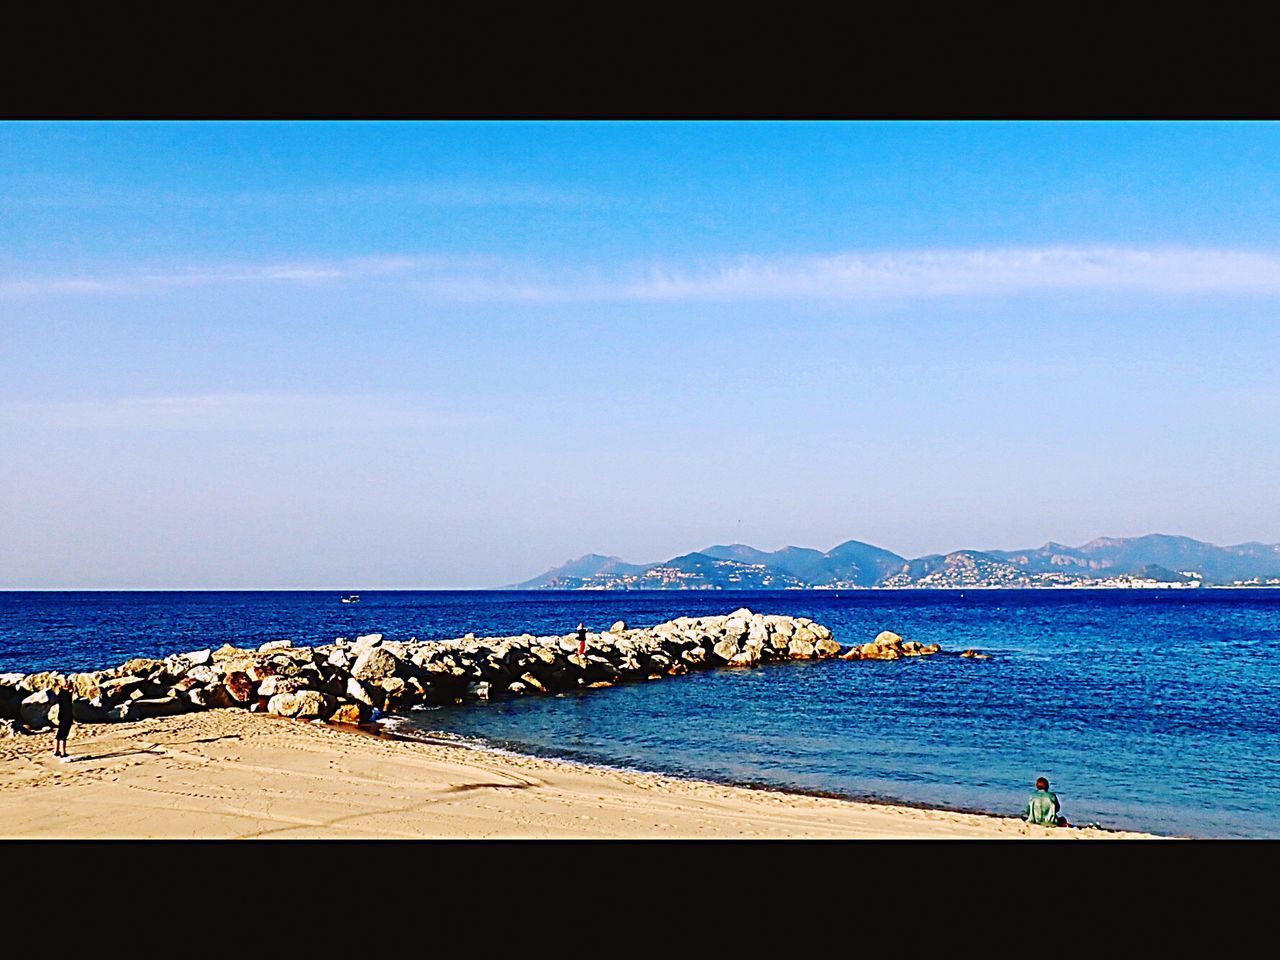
[{"x": 1154, "y": 710}]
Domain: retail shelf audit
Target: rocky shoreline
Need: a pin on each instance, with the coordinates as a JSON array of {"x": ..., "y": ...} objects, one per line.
[{"x": 347, "y": 680}]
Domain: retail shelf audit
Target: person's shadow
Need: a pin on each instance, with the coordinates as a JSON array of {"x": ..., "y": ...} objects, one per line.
[{"x": 81, "y": 757}]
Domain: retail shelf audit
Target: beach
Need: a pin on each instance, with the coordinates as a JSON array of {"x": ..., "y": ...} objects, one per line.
[{"x": 228, "y": 774}]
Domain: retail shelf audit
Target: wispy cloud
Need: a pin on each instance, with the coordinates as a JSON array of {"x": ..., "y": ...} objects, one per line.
[
  {"x": 840, "y": 276},
  {"x": 902, "y": 274},
  {"x": 152, "y": 281},
  {"x": 241, "y": 412}
]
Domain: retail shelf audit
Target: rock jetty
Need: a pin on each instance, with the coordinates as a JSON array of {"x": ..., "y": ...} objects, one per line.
[
  {"x": 346, "y": 680},
  {"x": 889, "y": 646}
]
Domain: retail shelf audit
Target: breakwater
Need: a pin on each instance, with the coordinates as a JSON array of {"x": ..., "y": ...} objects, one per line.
[{"x": 345, "y": 681}]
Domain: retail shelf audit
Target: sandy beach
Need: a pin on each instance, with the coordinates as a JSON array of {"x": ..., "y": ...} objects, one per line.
[{"x": 231, "y": 774}]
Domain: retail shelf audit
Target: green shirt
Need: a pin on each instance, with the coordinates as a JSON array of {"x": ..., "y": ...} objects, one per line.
[{"x": 1043, "y": 807}]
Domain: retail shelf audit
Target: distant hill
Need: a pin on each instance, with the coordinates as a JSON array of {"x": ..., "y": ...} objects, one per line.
[
  {"x": 1154, "y": 560},
  {"x": 570, "y": 574},
  {"x": 853, "y": 562},
  {"x": 1128, "y": 555}
]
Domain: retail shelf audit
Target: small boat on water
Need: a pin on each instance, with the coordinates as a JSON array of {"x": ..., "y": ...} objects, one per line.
[{"x": 351, "y": 598}]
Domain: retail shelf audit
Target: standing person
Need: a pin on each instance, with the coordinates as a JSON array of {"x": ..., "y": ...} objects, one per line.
[
  {"x": 582, "y": 640},
  {"x": 1043, "y": 807},
  {"x": 65, "y": 708}
]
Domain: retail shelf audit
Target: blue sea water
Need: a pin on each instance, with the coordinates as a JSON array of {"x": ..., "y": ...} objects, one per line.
[{"x": 1151, "y": 710}]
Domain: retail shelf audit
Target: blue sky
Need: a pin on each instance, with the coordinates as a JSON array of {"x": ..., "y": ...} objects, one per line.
[{"x": 453, "y": 355}]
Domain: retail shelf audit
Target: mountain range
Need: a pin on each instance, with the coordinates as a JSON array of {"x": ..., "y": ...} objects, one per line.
[{"x": 1156, "y": 560}]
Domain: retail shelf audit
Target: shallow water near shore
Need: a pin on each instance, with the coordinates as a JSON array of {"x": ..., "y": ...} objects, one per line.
[{"x": 1148, "y": 710}]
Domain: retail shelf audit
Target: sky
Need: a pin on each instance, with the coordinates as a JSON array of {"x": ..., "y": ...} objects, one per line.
[{"x": 453, "y": 355}]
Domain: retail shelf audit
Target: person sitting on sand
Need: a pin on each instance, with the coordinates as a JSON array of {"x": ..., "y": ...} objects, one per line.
[
  {"x": 1043, "y": 807},
  {"x": 64, "y": 704}
]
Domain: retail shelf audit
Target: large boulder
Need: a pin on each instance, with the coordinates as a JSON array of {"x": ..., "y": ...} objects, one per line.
[
  {"x": 827, "y": 646},
  {"x": 217, "y": 696},
  {"x": 35, "y": 709},
  {"x": 280, "y": 666},
  {"x": 241, "y": 688},
  {"x": 303, "y": 704},
  {"x": 800, "y": 648},
  {"x": 359, "y": 693},
  {"x": 141, "y": 666},
  {"x": 259, "y": 671},
  {"x": 696, "y": 656},
  {"x": 45, "y": 680},
  {"x": 726, "y": 649},
  {"x": 350, "y": 713},
  {"x": 376, "y": 664},
  {"x": 886, "y": 646},
  {"x": 197, "y": 697},
  {"x": 598, "y": 668},
  {"x": 203, "y": 674},
  {"x": 366, "y": 642},
  {"x": 275, "y": 645},
  {"x": 119, "y": 688},
  {"x": 532, "y": 682},
  {"x": 88, "y": 685},
  {"x": 275, "y": 684}
]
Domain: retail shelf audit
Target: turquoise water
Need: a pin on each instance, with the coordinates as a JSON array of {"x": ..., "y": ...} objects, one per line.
[{"x": 1150, "y": 710}]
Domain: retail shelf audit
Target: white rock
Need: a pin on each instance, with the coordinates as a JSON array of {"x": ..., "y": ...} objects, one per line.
[
  {"x": 203, "y": 674},
  {"x": 375, "y": 664},
  {"x": 726, "y": 649},
  {"x": 273, "y": 685},
  {"x": 304, "y": 703},
  {"x": 35, "y": 709},
  {"x": 356, "y": 691}
]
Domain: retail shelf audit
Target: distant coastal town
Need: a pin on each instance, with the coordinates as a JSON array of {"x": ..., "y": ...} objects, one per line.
[{"x": 1155, "y": 562}]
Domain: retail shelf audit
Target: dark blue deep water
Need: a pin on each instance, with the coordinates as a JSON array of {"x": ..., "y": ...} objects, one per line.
[{"x": 1152, "y": 710}]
